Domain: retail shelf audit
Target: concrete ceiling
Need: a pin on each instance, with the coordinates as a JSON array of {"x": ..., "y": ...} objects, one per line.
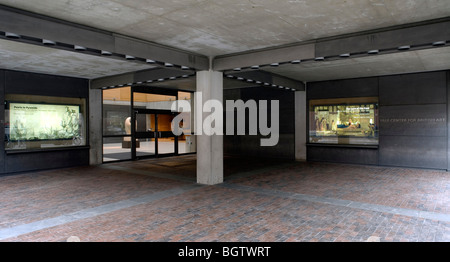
[
  {"x": 218, "y": 27},
  {"x": 222, "y": 27}
]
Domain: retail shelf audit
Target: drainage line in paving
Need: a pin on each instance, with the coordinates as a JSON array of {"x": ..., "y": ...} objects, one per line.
[
  {"x": 149, "y": 173},
  {"x": 15, "y": 231},
  {"x": 343, "y": 203}
]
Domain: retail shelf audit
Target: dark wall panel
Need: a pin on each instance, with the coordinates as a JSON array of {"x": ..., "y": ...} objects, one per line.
[
  {"x": 46, "y": 160},
  {"x": 45, "y": 85},
  {"x": 2, "y": 120},
  {"x": 448, "y": 120},
  {"x": 343, "y": 155},
  {"x": 361, "y": 87},
  {"x": 414, "y": 151},
  {"x": 414, "y": 120},
  {"x": 249, "y": 145},
  {"x": 410, "y": 89}
]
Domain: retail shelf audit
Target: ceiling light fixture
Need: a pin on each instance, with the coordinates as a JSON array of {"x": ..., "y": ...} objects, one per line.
[
  {"x": 149, "y": 61},
  {"x": 106, "y": 53},
  {"x": 129, "y": 57},
  {"x": 438, "y": 43},
  {"x": 168, "y": 65},
  {"x": 373, "y": 52},
  {"x": 294, "y": 62},
  {"x": 344, "y": 55},
  {"x": 12, "y": 35},
  {"x": 320, "y": 58},
  {"x": 274, "y": 64},
  {"x": 237, "y": 69},
  {"x": 79, "y": 48},
  {"x": 255, "y": 67},
  {"x": 48, "y": 42},
  {"x": 403, "y": 48},
  {"x": 184, "y": 67}
]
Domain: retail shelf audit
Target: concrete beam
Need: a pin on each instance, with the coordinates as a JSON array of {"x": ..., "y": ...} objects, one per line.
[
  {"x": 417, "y": 34},
  {"x": 135, "y": 77},
  {"x": 264, "y": 57},
  {"x": 387, "y": 38},
  {"x": 37, "y": 26},
  {"x": 266, "y": 77}
]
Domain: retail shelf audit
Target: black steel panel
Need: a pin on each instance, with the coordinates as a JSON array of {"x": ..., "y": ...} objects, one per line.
[
  {"x": 448, "y": 122},
  {"x": 251, "y": 146},
  {"x": 46, "y": 160},
  {"x": 343, "y": 155},
  {"x": 45, "y": 85},
  {"x": 286, "y": 105},
  {"x": 2, "y": 120},
  {"x": 414, "y": 120},
  {"x": 413, "y": 151},
  {"x": 421, "y": 88},
  {"x": 361, "y": 87}
]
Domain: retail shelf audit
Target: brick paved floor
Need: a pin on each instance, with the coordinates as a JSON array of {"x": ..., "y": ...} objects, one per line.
[{"x": 277, "y": 201}]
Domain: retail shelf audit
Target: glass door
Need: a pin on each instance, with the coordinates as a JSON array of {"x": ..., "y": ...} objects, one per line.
[
  {"x": 152, "y": 134},
  {"x": 145, "y": 135},
  {"x": 167, "y": 142}
]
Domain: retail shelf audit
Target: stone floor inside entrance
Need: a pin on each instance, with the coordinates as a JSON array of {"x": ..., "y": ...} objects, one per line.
[{"x": 261, "y": 200}]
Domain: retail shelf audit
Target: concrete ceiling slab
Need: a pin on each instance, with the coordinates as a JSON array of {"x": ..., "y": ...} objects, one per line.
[
  {"x": 378, "y": 65},
  {"x": 40, "y": 59},
  {"x": 219, "y": 27}
]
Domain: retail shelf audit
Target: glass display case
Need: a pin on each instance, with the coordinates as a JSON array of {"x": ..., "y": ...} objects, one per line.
[
  {"x": 344, "y": 121},
  {"x": 39, "y": 122}
]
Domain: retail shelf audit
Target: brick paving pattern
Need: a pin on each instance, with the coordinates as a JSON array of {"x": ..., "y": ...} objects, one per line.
[{"x": 276, "y": 202}]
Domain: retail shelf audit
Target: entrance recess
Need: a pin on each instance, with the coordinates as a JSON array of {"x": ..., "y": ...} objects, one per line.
[
  {"x": 151, "y": 131},
  {"x": 137, "y": 123}
]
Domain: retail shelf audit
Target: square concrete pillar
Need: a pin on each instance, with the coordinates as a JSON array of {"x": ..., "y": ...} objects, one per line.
[
  {"x": 95, "y": 127},
  {"x": 209, "y": 147},
  {"x": 300, "y": 125}
]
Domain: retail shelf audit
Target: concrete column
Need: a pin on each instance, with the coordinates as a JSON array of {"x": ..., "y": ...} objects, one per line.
[
  {"x": 209, "y": 147},
  {"x": 95, "y": 127},
  {"x": 300, "y": 125}
]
